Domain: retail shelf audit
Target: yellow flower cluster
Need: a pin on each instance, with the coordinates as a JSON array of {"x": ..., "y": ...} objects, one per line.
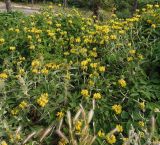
[
  {"x": 53, "y": 66},
  {"x": 130, "y": 59},
  {"x": 101, "y": 133},
  {"x": 21, "y": 71},
  {"x": 4, "y": 143},
  {"x": 2, "y": 41},
  {"x": 125, "y": 140},
  {"x": 119, "y": 128},
  {"x": 35, "y": 63},
  {"x": 85, "y": 93},
  {"x": 36, "y": 67},
  {"x": 153, "y": 26},
  {"x": 23, "y": 105},
  {"x": 122, "y": 83},
  {"x": 117, "y": 108},
  {"x": 43, "y": 100},
  {"x": 97, "y": 96},
  {"x": 141, "y": 134},
  {"x": 60, "y": 114},
  {"x": 62, "y": 142},
  {"x": 3, "y": 76},
  {"x": 140, "y": 56},
  {"x": 44, "y": 71},
  {"x": 132, "y": 52},
  {"x": 142, "y": 106},
  {"x": 15, "y": 111},
  {"x": 141, "y": 123},
  {"x": 12, "y": 48},
  {"x": 84, "y": 64},
  {"x": 111, "y": 139},
  {"x": 78, "y": 126},
  {"x": 102, "y": 68}
]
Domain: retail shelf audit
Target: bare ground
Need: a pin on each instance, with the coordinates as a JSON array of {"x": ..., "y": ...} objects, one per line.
[{"x": 19, "y": 7}]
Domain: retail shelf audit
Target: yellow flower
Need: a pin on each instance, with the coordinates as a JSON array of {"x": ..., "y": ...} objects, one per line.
[
  {"x": 121, "y": 32},
  {"x": 32, "y": 16},
  {"x": 132, "y": 52},
  {"x": 23, "y": 105},
  {"x": 93, "y": 53},
  {"x": 12, "y": 48},
  {"x": 97, "y": 96},
  {"x": 153, "y": 26},
  {"x": 3, "y": 76},
  {"x": 122, "y": 83},
  {"x": 84, "y": 64},
  {"x": 94, "y": 65},
  {"x": 117, "y": 108},
  {"x": 125, "y": 140},
  {"x": 149, "y": 6},
  {"x": 10, "y": 29},
  {"x": 149, "y": 21},
  {"x": 130, "y": 59},
  {"x": 43, "y": 100},
  {"x": 144, "y": 9},
  {"x": 129, "y": 44},
  {"x": 78, "y": 126},
  {"x": 141, "y": 123},
  {"x": 58, "y": 25},
  {"x": 35, "y": 63},
  {"x": 1, "y": 40},
  {"x": 101, "y": 133},
  {"x": 85, "y": 93},
  {"x": 32, "y": 47},
  {"x": 4, "y": 143},
  {"x": 29, "y": 37},
  {"x": 70, "y": 21},
  {"x": 14, "y": 111},
  {"x": 59, "y": 5},
  {"x": 141, "y": 133},
  {"x": 17, "y": 30},
  {"x": 91, "y": 83},
  {"x": 156, "y": 110},
  {"x": 49, "y": 22},
  {"x": 142, "y": 105},
  {"x": 156, "y": 6},
  {"x": 21, "y": 71},
  {"x": 66, "y": 53},
  {"x": 44, "y": 71},
  {"x": 39, "y": 40},
  {"x": 140, "y": 56},
  {"x": 119, "y": 128},
  {"x": 50, "y": 7},
  {"x": 22, "y": 58},
  {"x": 62, "y": 142},
  {"x": 94, "y": 49},
  {"x": 113, "y": 37},
  {"x": 102, "y": 68},
  {"x": 35, "y": 71},
  {"x": 111, "y": 139},
  {"x": 18, "y": 137},
  {"x": 78, "y": 40},
  {"x": 83, "y": 51},
  {"x": 60, "y": 114}
]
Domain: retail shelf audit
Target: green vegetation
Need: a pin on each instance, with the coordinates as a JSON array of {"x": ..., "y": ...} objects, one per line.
[{"x": 69, "y": 79}]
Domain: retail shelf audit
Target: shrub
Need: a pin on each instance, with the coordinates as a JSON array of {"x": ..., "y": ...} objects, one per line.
[{"x": 52, "y": 62}]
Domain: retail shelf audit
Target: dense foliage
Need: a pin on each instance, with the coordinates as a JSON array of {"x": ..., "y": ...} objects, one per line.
[{"x": 51, "y": 63}]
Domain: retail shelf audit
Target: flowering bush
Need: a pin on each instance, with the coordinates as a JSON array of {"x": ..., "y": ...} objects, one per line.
[{"x": 50, "y": 63}]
